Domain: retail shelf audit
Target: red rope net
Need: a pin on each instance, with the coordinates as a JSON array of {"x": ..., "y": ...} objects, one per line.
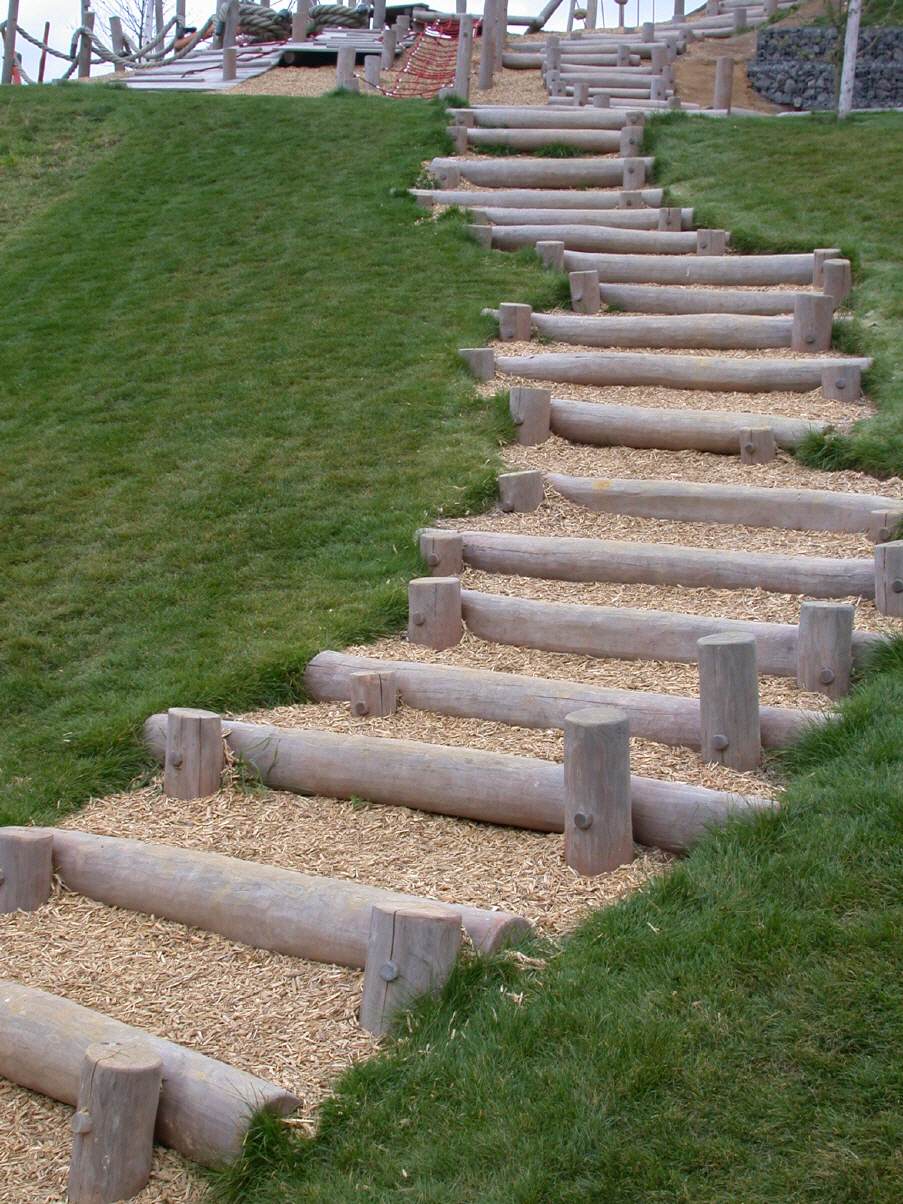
[{"x": 429, "y": 66}]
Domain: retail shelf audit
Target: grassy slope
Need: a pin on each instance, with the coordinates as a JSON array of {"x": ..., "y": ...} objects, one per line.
[
  {"x": 735, "y": 1032},
  {"x": 230, "y": 393},
  {"x": 794, "y": 183}
]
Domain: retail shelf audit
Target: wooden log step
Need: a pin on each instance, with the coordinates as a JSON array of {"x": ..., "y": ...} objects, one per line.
[
  {"x": 537, "y": 198},
  {"x": 750, "y": 375},
  {"x": 695, "y": 269},
  {"x": 536, "y": 702},
  {"x": 205, "y": 1106},
  {"x": 745, "y": 505},
  {"x": 622, "y": 633},
  {"x": 597, "y": 238},
  {"x": 605, "y": 77},
  {"x": 496, "y": 788},
  {"x": 538, "y": 117},
  {"x": 686, "y": 331},
  {"x": 638, "y": 298},
  {"x": 570, "y": 559},
  {"x": 264, "y": 906},
  {"x": 513, "y": 172},
  {"x": 603, "y": 142},
  {"x": 646, "y": 218},
  {"x": 522, "y": 62},
  {"x": 617, "y": 92},
  {"x": 718, "y": 431}
]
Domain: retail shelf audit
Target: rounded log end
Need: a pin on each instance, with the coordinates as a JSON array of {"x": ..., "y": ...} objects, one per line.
[{"x": 501, "y": 930}]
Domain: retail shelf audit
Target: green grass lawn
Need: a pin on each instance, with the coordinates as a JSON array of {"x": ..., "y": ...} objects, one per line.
[
  {"x": 794, "y": 183},
  {"x": 229, "y": 393}
]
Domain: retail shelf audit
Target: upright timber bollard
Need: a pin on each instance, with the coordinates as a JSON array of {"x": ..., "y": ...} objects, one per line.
[
  {"x": 883, "y": 525},
  {"x": 520, "y": 492},
  {"x": 724, "y": 82},
  {"x": 26, "y": 868},
  {"x": 501, "y": 32},
  {"x": 889, "y": 578},
  {"x": 410, "y": 953},
  {"x": 195, "y": 757},
  {"x": 113, "y": 1126},
  {"x": 344, "y": 69},
  {"x": 389, "y": 46},
  {"x": 843, "y": 383},
  {"x": 739, "y": 20},
  {"x": 480, "y": 361},
  {"x": 403, "y": 26},
  {"x": 553, "y": 53},
  {"x": 678, "y": 9},
  {"x": 531, "y": 412},
  {"x": 622, "y": 56},
  {"x": 670, "y": 218},
  {"x": 757, "y": 445},
  {"x": 813, "y": 316},
  {"x": 711, "y": 242},
  {"x": 230, "y": 63},
  {"x": 434, "y": 612},
  {"x": 84, "y": 46},
  {"x": 301, "y": 20},
  {"x": 373, "y": 694},
  {"x": 598, "y": 828},
  {"x": 9, "y": 42},
  {"x": 379, "y": 14},
  {"x": 729, "y": 700},
  {"x": 443, "y": 553},
  {"x": 551, "y": 253},
  {"x": 837, "y": 279},
  {"x": 592, "y": 14},
  {"x": 820, "y": 257},
  {"x": 659, "y": 58},
  {"x": 585, "y": 295},
  {"x": 464, "y": 57},
  {"x": 825, "y": 648},
  {"x": 601, "y": 101},
  {"x": 487, "y": 45},
  {"x": 515, "y": 322},
  {"x": 634, "y": 174},
  {"x": 631, "y": 138},
  {"x": 117, "y": 40},
  {"x": 372, "y": 68},
  {"x": 647, "y": 31}
]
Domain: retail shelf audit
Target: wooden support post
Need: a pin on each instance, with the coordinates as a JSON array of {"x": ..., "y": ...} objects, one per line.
[
  {"x": 622, "y": 56},
  {"x": 592, "y": 14},
  {"x": 581, "y": 94},
  {"x": 711, "y": 242},
  {"x": 487, "y": 46},
  {"x": 585, "y": 295},
  {"x": 553, "y": 53},
  {"x": 647, "y": 31},
  {"x": 531, "y": 412},
  {"x": 631, "y": 139},
  {"x": 712, "y": 8},
  {"x": 850, "y": 50},
  {"x": 813, "y": 315},
  {"x": 551, "y": 253},
  {"x": 825, "y": 648},
  {"x": 889, "y": 578},
  {"x": 344, "y": 69},
  {"x": 670, "y": 218},
  {"x": 601, "y": 101},
  {"x": 180, "y": 14},
  {"x": 410, "y": 953},
  {"x": 757, "y": 445},
  {"x": 679, "y": 9},
  {"x": 883, "y": 525},
  {"x": 739, "y": 20},
  {"x": 515, "y": 322},
  {"x": 521, "y": 492},
  {"x": 372, "y": 68},
  {"x": 379, "y": 15},
  {"x": 195, "y": 756},
  {"x": 159, "y": 22},
  {"x": 501, "y": 32},
  {"x": 301, "y": 20},
  {"x": 458, "y": 135},
  {"x": 434, "y": 612},
  {"x": 657, "y": 88},
  {"x": 389, "y": 46},
  {"x": 117, "y": 40},
  {"x": 598, "y": 829},
  {"x": 230, "y": 63},
  {"x": 443, "y": 552},
  {"x": 464, "y": 57},
  {"x": 230, "y": 24},
  {"x": 9, "y": 42},
  {"x": 634, "y": 174},
  {"x": 820, "y": 257},
  {"x": 729, "y": 700},
  {"x": 480, "y": 361},
  {"x": 635, "y": 117},
  {"x": 631, "y": 199},
  {"x": 837, "y": 279},
  {"x": 26, "y": 868},
  {"x": 771, "y": 7},
  {"x": 403, "y": 26},
  {"x": 84, "y": 46},
  {"x": 373, "y": 694},
  {"x": 842, "y": 383},
  {"x": 658, "y": 58},
  {"x": 113, "y": 1126}
]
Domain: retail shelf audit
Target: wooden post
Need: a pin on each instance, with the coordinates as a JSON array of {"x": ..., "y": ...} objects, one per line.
[
  {"x": 464, "y": 57},
  {"x": 531, "y": 411},
  {"x": 711, "y": 242},
  {"x": 26, "y": 868},
  {"x": 553, "y": 53},
  {"x": 9, "y": 42},
  {"x": 729, "y": 700},
  {"x": 581, "y": 94},
  {"x": 389, "y": 46},
  {"x": 757, "y": 445},
  {"x": 592, "y": 17},
  {"x": 379, "y": 14},
  {"x": 631, "y": 199},
  {"x": 771, "y": 7},
  {"x": 850, "y": 49},
  {"x": 739, "y": 19},
  {"x": 679, "y": 9},
  {"x": 724, "y": 82},
  {"x": 889, "y": 578},
  {"x": 443, "y": 552},
  {"x": 113, "y": 1126},
  {"x": 820, "y": 257},
  {"x": 883, "y": 525},
  {"x": 521, "y": 492},
  {"x": 622, "y": 56},
  {"x": 195, "y": 756},
  {"x": 631, "y": 138},
  {"x": 434, "y": 612},
  {"x": 84, "y": 46},
  {"x": 515, "y": 322},
  {"x": 658, "y": 58},
  {"x": 647, "y": 31},
  {"x": 301, "y": 20},
  {"x": 480, "y": 361},
  {"x": 372, "y": 67},
  {"x": 842, "y": 383},
  {"x": 230, "y": 30},
  {"x": 634, "y": 174},
  {"x": 410, "y": 953},
  {"x": 670, "y": 218},
  {"x": 837, "y": 279},
  {"x": 825, "y": 647},
  {"x": 373, "y": 693},
  {"x": 657, "y": 88},
  {"x": 551, "y": 254},
  {"x": 487, "y": 45},
  {"x": 501, "y": 32},
  {"x": 118, "y": 43},
  {"x": 230, "y": 63},
  {"x": 598, "y": 829},
  {"x": 601, "y": 101},
  {"x": 180, "y": 14},
  {"x": 813, "y": 316},
  {"x": 585, "y": 295},
  {"x": 344, "y": 69}
]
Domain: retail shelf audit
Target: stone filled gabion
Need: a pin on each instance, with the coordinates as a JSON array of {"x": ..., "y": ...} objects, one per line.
[{"x": 800, "y": 68}]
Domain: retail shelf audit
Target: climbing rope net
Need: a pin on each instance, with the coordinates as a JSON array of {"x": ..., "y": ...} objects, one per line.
[{"x": 429, "y": 65}]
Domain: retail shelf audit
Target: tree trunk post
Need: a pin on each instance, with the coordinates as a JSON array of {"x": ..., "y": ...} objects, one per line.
[
  {"x": 531, "y": 412},
  {"x": 598, "y": 828},
  {"x": 842, "y": 383},
  {"x": 630, "y": 140},
  {"x": 118, "y": 43},
  {"x": 813, "y": 317},
  {"x": 724, "y": 82},
  {"x": 434, "y": 612},
  {"x": 634, "y": 174},
  {"x": 344, "y": 69},
  {"x": 889, "y": 578},
  {"x": 521, "y": 492},
  {"x": 825, "y": 648},
  {"x": 373, "y": 694},
  {"x": 301, "y": 20},
  {"x": 410, "y": 953},
  {"x": 443, "y": 553},
  {"x": 850, "y": 49},
  {"x": 195, "y": 757},
  {"x": 757, "y": 445},
  {"x": 84, "y": 47},
  {"x": 9, "y": 42},
  {"x": 515, "y": 322},
  {"x": 379, "y": 14},
  {"x": 372, "y": 68},
  {"x": 26, "y": 868},
  {"x": 464, "y": 57},
  {"x": 390, "y": 40},
  {"x": 837, "y": 279},
  {"x": 585, "y": 295},
  {"x": 678, "y": 9},
  {"x": 113, "y": 1126},
  {"x": 487, "y": 46},
  {"x": 729, "y": 700},
  {"x": 480, "y": 361}
]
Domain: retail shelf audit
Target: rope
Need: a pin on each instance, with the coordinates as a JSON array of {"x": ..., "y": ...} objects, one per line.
[{"x": 429, "y": 66}]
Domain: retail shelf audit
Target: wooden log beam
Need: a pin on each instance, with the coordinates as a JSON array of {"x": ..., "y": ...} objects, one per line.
[
  {"x": 510, "y": 172},
  {"x": 635, "y": 219},
  {"x": 536, "y": 702},
  {"x": 520, "y": 792},
  {"x": 26, "y": 868},
  {"x": 746, "y": 505},
  {"x": 720, "y": 332},
  {"x": 531, "y": 198},
  {"x": 559, "y": 558},
  {"x": 662, "y": 299},
  {"x": 694, "y": 269},
  {"x": 626, "y": 634},
  {"x": 263, "y": 906},
  {"x": 603, "y": 142},
  {"x": 742, "y": 375},
  {"x": 538, "y": 118},
  {"x": 671, "y": 430},
  {"x": 205, "y": 1106},
  {"x": 596, "y": 238}
]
